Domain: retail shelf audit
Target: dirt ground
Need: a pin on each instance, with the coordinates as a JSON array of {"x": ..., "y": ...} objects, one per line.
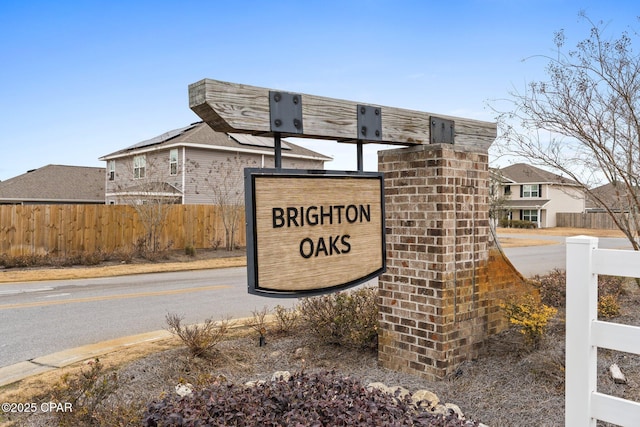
[{"x": 509, "y": 385}]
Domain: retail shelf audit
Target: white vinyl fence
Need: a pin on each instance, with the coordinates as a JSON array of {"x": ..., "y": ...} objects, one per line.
[{"x": 585, "y": 333}]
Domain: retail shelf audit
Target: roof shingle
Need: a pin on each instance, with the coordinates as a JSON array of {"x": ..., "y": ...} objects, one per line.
[
  {"x": 523, "y": 173},
  {"x": 55, "y": 184},
  {"x": 201, "y": 134}
]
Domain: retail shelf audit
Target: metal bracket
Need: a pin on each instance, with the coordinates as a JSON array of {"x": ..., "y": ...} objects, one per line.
[
  {"x": 369, "y": 123},
  {"x": 285, "y": 112},
  {"x": 442, "y": 130}
]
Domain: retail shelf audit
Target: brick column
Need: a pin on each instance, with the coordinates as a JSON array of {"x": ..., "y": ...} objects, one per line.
[{"x": 434, "y": 312}]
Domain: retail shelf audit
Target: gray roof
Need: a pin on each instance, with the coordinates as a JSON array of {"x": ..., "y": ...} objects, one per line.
[
  {"x": 613, "y": 194},
  {"x": 521, "y": 173},
  {"x": 200, "y": 134},
  {"x": 55, "y": 184}
]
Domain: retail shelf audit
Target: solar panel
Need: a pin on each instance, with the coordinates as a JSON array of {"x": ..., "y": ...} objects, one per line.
[
  {"x": 256, "y": 141},
  {"x": 162, "y": 138}
]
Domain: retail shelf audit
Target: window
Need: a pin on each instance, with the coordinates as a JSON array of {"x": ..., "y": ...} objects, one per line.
[
  {"x": 173, "y": 161},
  {"x": 529, "y": 215},
  {"x": 112, "y": 170},
  {"x": 139, "y": 166},
  {"x": 507, "y": 190},
  {"x": 530, "y": 190}
]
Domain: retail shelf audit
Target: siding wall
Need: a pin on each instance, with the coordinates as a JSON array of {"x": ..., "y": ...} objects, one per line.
[
  {"x": 157, "y": 170},
  {"x": 194, "y": 165},
  {"x": 562, "y": 199},
  {"x": 218, "y": 168}
]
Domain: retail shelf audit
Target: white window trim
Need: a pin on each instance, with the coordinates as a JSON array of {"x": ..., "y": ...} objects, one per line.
[
  {"x": 173, "y": 162},
  {"x": 111, "y": 165},
  {"x": 532, "y": 213},
  {"x": 530, "y": 190},
  {"x": 139, "y": 166}
]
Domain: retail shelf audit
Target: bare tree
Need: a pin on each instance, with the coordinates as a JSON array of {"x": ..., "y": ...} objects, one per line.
[
  {"x": 223, "y": 182},
  {"x": 584, "y": 120},
  {"x": 497, "y": 198},
  {"x": 150, "y": 196}
]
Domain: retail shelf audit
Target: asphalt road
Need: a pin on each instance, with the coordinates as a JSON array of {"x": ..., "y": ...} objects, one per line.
[
  {"x": 45, "y": 317},
  {"x": 41, "y": 318},
  {"x": 532, "y": 260}
]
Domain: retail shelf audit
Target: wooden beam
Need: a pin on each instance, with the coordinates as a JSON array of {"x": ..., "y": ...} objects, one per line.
[{"x": 232, "y": 107}]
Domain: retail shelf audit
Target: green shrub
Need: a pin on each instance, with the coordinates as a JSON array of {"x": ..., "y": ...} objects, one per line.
[
  {"x": 199, "y": 339},
  {"x": 516, "y": 223},
  {"x": 343, "y": 318}
]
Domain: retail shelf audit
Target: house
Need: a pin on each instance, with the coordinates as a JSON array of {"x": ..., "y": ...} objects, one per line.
[
  {"x": 195, "y": 165},
  {"x": 615, "y": 195},
  {"x": 55, "y": 184},
  {"x": 532, "y": 194}
]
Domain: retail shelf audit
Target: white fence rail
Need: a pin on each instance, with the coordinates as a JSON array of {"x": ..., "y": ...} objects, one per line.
[{"x": 585, "y": 333}]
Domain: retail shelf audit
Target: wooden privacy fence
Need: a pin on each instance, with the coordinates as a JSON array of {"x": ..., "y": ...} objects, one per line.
[
  {"x": 66, "y": 229},
  {"x": 593, "y": 220},
  {"x": 585, "y": 333}
]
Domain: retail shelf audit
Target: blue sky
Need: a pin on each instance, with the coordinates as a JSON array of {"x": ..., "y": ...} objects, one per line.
[{"x": 81, "y": 79}]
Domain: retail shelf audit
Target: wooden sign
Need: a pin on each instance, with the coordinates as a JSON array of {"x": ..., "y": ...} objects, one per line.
[
  {"x": 240, "y": 108},
  {"x": 313, "y": 232}
]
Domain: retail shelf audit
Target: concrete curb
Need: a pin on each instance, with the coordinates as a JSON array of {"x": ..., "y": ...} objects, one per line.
[{"x": 19, "y": 371}]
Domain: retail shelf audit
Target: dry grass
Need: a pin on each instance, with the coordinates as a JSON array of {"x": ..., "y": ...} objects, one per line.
[
  {"x": 515, "y": 242},
  {"x": 562, "y": 231},
  {"x": 33, "y": 275},
  {"x": 509, "y": 237}
]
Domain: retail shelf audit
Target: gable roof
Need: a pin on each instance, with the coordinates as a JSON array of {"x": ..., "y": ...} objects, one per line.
[
  {"x": 613, "y": 194},
  {"x": 522, "y": 173},
  {"x": 201, "y": 135},
  {"x": 55, "y": 184}
]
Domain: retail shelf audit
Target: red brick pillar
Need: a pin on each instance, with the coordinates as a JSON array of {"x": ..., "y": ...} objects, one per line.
[{"x": 432, "y": 311}]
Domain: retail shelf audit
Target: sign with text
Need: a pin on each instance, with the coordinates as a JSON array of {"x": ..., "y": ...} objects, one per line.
[{"x": 313, "y": 232}]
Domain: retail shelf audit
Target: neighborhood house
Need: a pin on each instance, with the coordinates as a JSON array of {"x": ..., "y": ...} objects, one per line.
[
  {"x": 54, "y": 184},
  {"x": 195, "y": 165},
  {"x": 531, "y": 194}
]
